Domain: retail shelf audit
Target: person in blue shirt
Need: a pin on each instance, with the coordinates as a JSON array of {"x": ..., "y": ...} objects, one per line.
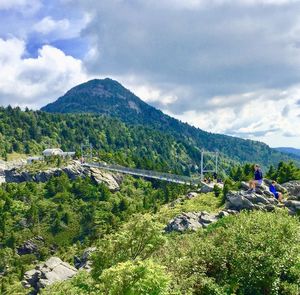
[
  {"x": 273, "y": 190},
  {"x": 258, "y": 178}
]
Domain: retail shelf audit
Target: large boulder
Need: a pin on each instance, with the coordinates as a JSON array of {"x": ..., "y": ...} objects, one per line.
[
  {"x": 206, "y": 188},
  {"x": 238, "y": 201},
  {"x": 293, "y": 189},
  {"x": 185, "y": 221},
  {"x": 52, "y": 271},
  {"x": 193, "y": 221},
  {"x": 111, "y": 180}
]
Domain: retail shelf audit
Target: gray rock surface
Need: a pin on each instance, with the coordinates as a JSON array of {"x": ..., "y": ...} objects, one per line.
[
  {"x": 192, "y": 221},
  {"x": 73, "y": 170},
  {"x": 206, "y": 188},
  {"x": 31, "y": 246},
  {"x": 293, "y": 189},
  {"x": 85, "y": 262},
  {"x": 52, "y": 271}
]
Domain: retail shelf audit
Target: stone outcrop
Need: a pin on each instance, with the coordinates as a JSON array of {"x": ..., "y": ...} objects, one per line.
[
  {"x": 293, "y": 189},
  {"x": 84, "y": 262},
  {"x": 73, "y": 170},
  {"x": 52, "y": 271},
  {"x": 31, "y": 246},
  {"x": 244, "y": 200},
  {"x": 194, "y": 220}
]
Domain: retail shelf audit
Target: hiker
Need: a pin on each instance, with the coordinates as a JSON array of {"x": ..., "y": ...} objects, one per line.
[
  {"x": 273, "y": 190},
  {"x": 258, "y": 178}
]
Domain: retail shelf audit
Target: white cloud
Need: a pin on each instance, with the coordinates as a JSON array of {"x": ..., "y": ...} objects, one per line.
[
  {"x": 48, "y": 24},
  {"x": 271, "y": 116},
  {"x": 33, "y": 82}
]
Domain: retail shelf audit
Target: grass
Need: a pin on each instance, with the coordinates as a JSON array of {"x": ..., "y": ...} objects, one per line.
[
  {"x": 202, "y": 202},
  {"x": 16, "y": 156}
]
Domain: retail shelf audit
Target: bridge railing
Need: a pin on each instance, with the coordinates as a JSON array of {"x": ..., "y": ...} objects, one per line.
[{"x": 147, "y": 173}]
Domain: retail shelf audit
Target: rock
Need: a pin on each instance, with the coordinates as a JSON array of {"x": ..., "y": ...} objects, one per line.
[
  {"x": 293, "y": 189},
  {"x": 206, "y": 218},
  {"x": 47, "y": 273},
  {"x": 237, "y": 201},
  {"x": 84, "y": 262},
  {"x": 295, "y": 205},
  {"x": 191, "y": 195},
  {"x": 223, "y": 214},
  {"x": 109, "y": 179},
  {"x": 206, "y": 188},
  {"x": 31, "y": 246},
  {"x": 184, "y": 221},
  {"x": 245, "y": 186},
  {"x": 73, "y": 170}
]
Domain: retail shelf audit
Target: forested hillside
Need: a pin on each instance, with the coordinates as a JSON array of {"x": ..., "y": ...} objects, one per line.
[
  {"x": 113, "y": 141},
  {"x": 110, "y": 98}
]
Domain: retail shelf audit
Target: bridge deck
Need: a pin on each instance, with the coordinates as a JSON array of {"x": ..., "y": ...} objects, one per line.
[{"x": 146, "y": 173}]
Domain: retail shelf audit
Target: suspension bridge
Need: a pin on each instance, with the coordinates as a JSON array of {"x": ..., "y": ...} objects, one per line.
[
  {"x": 210, "y": 165},
  {"x": 180, "y": 179}
]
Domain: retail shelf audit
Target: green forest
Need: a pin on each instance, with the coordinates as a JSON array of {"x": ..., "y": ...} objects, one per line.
[{"x": 126, "y": 144}]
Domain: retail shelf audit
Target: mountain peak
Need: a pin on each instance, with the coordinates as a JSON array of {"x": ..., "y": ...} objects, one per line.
[{"x": 102, "y": 96}]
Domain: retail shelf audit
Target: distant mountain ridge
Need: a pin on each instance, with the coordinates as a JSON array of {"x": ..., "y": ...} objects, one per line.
[
  {"x": 109, "y": 97},
  {"x": 289, "y": 150}
]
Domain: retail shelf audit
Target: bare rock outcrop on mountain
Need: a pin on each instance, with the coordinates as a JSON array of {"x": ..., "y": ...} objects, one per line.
[
  {"x": 195, "y": 220},
  {"x": 51, "y": 271},
  {"x": 73, "y": 170}
]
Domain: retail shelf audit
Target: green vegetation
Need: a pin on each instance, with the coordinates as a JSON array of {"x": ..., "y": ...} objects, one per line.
[
  {"x": 284, "y": 172},
  {"x": 252, "y": 253},
  {"x": 69, "y": 215}
]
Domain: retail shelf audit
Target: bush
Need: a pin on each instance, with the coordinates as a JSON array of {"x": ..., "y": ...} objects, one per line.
[
  {"x": 132, "y": 278},
  {"x": 252, "y": 253},
  {"x": 137, "y": 239}
]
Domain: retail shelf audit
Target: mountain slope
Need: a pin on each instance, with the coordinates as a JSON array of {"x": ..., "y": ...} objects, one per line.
[
  {"x": 289, "y": 150},
  {"x": 110, "y": 98}
]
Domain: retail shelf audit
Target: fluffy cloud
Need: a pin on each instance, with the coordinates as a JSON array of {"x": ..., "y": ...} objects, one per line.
[
  {"x": 33, "y": 82},
  {"x": 267, "y": 115},
  {"x": 48, "y": 25}
]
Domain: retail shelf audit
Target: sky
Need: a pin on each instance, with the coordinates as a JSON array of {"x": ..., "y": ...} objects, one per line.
[{"x": 225, "y": 66}]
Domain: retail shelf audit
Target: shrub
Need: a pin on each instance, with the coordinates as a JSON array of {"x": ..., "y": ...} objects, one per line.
[
  {"x": 252, "y": 253},
  {"x": 137, "y": 239},
  {"x": 132, "y": 278}
]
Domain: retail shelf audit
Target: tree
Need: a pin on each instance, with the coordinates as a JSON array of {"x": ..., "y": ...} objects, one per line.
[
  {"x": 136, "y": 239},
  {"x": 131, "y": 278}
]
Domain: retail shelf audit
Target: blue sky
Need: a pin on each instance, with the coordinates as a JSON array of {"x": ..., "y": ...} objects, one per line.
[{"x": 226, "y": 66}]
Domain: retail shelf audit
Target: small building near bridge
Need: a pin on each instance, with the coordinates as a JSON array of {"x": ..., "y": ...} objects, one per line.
[
  {"x": 57, "y": 152},
  {"x": 52, "y": 152}
]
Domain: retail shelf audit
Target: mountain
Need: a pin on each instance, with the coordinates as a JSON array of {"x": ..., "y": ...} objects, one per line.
[
  {"x": 108, "y": 97},
  {"x": 289, "y": 150}
]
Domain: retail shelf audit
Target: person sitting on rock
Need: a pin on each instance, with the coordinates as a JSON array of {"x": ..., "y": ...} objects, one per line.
[
  {"x": 258, "y": 178},
  {"x": 273, "y": 190}
]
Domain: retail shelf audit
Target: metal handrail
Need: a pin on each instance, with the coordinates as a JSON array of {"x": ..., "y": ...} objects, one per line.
[{"x": 146, "y": 173}]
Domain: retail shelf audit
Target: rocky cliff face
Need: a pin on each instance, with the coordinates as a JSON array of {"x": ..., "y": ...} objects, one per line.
[{"x": 74, "y": 170}]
